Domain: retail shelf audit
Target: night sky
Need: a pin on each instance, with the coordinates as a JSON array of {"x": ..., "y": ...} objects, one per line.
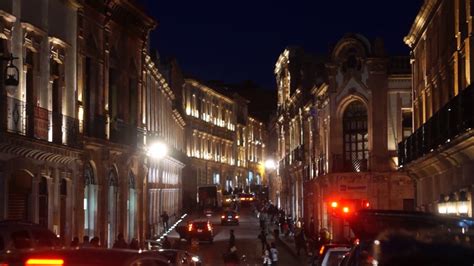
[{"x": 241, "y": 40}]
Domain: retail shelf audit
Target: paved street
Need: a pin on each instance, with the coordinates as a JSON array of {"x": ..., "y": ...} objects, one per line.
[{"x": 246, "y": 241}]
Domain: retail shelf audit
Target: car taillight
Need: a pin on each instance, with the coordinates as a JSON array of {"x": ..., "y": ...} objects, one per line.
[
  {"x": 236, "y": 217},
  {"x": 190, "y": 227},
  {"x": 321, "y": 250},
  {"x": 3, "y": 264},
  {"x": 223, "y": 216},
  {"x": 44, "y": 262},
  {"x": 209, "y": 227}
]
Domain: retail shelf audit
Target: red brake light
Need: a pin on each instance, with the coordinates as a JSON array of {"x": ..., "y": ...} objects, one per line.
[
  {"x": 334, "y": 204},
  {"x": 223, "y": 216},
  {"x": 190, "y": 227},
  {"x": 209, "y": 227},
  {"x": 3, "y": 264},
  {"x": 367, "y": 204},
  {"x": 236, "y": 217},
  {"x": 321, "y": 250},
  {"x": 346, "y": 209},
  {"x": 44, "y": 262}
]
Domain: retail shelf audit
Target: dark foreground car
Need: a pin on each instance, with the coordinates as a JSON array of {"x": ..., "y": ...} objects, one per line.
[
  {"x": 21, "y": 235},
  {"x": 230, "y": 217},
  {"x": 410, "y": 238},
  {"x": 84, "y": 257}
]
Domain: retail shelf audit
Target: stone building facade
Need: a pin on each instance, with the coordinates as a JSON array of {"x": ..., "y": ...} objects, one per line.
[
  {"x": 41, "y": 156},
  {"x": 339, "y": 119},
  {"x": 224, "y": 144},
  {"x": 76, "y": 131},
  {"x": 439, "y": 154}
]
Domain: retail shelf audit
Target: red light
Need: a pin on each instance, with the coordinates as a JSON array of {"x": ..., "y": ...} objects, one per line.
[
  {"x": 190, "y": 227},
  {"x": 367, "y": 204},
  {"x": 44, "y": 262},
  {"x": 223, "y": 216},
  {"x": 236, "y": 217},
  {"x": 209, "y": 227},
  {"x": 334, "y": 204},
  {"x": 321, "y": 250},
  {"x": 345, "y": 210}
]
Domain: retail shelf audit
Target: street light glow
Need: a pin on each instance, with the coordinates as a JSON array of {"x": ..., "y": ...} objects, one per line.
[
  {"x": 270, "y": 164},
  {"x": 157, "y": 150}
]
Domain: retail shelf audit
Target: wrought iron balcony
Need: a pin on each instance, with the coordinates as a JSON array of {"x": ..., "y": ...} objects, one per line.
[
  {"x": 123, "y": 133},
  {"x": 343, "y": 165},
  {"x": 452, "y": 120}
]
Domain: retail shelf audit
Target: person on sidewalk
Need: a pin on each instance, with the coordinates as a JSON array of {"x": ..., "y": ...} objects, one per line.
[
  {"x": 231, "y": 239},
  {"x": 300, "y": 241},
  {"x": 274, "y": 254},
  {"x": 120, "y": 242},
  {"x": 263, "y": 238},
  {"x": 164, "y": 220}
]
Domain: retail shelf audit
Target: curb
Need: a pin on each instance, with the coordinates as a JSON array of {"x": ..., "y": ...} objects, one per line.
[{"x": 287, "y": 247}]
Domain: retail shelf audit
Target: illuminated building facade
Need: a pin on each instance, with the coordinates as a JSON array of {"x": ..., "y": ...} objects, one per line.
[
  {"x": 439, "y": 154},
  {"x": 339, "y": 119},
  {"x": 224, "y": 144},
  {"x": 40, "y": 145}
]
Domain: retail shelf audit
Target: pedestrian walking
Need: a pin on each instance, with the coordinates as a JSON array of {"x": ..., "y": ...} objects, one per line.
[
  {"x": 267, "y": 261},
  {"x": 95, "y": 242},
  {"x": 274, "y": 254},
  {"x": 85, "y": 242},
  {"x": 300, "y": 241},
  {"x": 263, "y": 238},
  {"x": 231, "y": 239},
  {"x": 75, "y": 242},
  {"x": 164, "y": 220},
  {"x": 120, "y": 242}
]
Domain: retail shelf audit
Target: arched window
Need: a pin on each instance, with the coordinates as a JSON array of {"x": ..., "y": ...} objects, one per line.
[
  {"x": 90, "y": 200},
  {"x": 355, "y": 137},
  {"x": 112, "y": 216},
  {"x": 131, "y": 205}
]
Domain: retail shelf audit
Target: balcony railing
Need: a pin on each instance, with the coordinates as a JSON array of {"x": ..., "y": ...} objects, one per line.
[
  {"x": 453, "y": 119},
  {"x": 123, "y": 133},
  {"x": 40, "y": 123},
  {"x": 341, "y": 164}
]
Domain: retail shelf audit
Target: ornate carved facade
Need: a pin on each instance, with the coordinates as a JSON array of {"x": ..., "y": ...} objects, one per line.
[{"x": 339, "y": 119}]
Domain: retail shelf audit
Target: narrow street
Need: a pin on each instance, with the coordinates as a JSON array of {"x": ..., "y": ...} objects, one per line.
[{"x": 246, "y": 241}]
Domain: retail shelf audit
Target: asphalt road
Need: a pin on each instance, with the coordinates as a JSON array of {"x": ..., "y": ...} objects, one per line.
[{"x": 247, "y": 242}]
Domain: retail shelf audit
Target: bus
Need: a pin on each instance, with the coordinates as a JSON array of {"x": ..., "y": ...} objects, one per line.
[{"x": 209, "y": 197}]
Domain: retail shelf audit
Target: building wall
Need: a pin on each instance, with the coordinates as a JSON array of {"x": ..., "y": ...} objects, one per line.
[
  {"x": 340, "y": 144},
  {"x": 441, "y": 49},
  {"x": 40, "y": 158}
]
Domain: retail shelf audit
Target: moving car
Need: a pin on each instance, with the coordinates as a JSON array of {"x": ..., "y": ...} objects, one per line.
[
  {"x": 84, "y": 256},
  {"x": 246, "y": 198},
  {"x": 231, "y": 217},
  {"x": 20, "y": 235},
  {"x": 201, "y": 230},
  {"x": 180, "y": 257}
]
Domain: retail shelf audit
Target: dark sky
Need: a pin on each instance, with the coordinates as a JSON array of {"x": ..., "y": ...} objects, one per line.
[{"x": 241, "y": 40}]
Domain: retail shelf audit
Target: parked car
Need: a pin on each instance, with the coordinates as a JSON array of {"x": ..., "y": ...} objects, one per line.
[
  {"x": 230, "y": 217},
  {"x": 19, "y": 235},
  {"x": 332, "y": 254},
  {"x": 201, "y": 230},
  {"x": 180, "y": 257},
  {"x": 84, "y": 257}
]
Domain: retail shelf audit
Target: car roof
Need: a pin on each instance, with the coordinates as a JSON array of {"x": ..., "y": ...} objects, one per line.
[
  {"x": 93, "y": 256},
  {"x": 367, "y": 224}
]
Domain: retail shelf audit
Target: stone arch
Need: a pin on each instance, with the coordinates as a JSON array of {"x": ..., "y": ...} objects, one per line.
[
  {"x": 351, "y": 41},
  {"x": 354, "y": 96}
]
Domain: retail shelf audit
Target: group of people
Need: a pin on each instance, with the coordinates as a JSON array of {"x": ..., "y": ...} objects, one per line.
[{"x": 95, "y": 242}]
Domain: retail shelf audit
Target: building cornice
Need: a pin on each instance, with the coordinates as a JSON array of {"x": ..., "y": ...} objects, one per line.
[
  {"x": 206, "y": 89},
  {"x": 421, "y": 22}
]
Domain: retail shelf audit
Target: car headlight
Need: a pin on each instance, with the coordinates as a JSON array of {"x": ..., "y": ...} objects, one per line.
[{"x": 195, "y": 259}]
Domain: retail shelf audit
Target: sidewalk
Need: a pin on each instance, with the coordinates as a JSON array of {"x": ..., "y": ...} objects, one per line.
[{"x": 289, "y": 244}]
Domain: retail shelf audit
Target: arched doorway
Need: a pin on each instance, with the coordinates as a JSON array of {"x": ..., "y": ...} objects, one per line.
[
  {"x": 62, "y": 207},
  {"x": 112, "y": 199},
  {"x": 131, "y": 206},
  {"x": 356, "y": 139},
  {"x": 43, "y": 201},
  {"x": 19, "y": 195},
  {"x": 90, "y": 200}
]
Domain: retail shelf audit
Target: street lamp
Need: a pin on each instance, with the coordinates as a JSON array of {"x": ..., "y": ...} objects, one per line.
[
  {"x": 157, "y": 150},
  {"x": 270, "y": 164},
  {"x": 11, "y": 74}
]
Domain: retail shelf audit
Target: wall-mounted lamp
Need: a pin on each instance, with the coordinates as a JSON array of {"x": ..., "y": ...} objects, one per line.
[{"x": 11, "y": 73}]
